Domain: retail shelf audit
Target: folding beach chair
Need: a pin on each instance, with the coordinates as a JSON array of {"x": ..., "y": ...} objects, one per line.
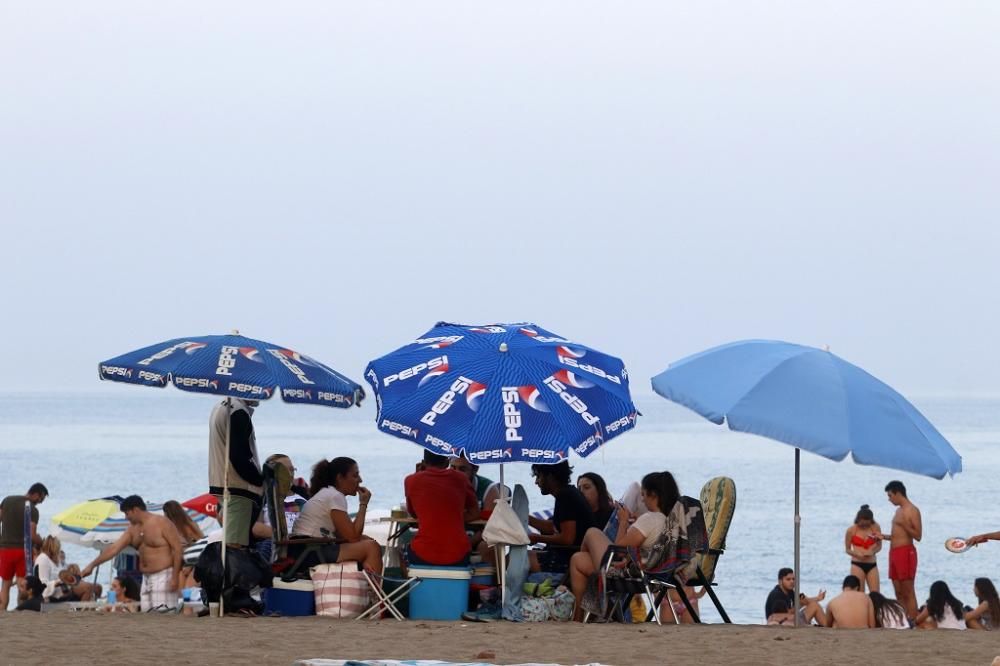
[
  {"x": 718, "y": 503},
  {"x": 277, "y": 486},
  {"x": 622, "y": 575}
]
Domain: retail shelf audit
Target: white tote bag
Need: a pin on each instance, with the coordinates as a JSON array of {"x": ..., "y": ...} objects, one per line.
[
  {"x": 341, "y": 590},
  {"x": 504, "y": 527}
]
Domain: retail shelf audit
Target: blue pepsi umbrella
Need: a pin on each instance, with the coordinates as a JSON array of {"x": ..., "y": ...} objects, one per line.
[
  {"x": 501, "y": 393},
  {"x": 811, "y": 399},
  {"x": 236, "y": 366}
]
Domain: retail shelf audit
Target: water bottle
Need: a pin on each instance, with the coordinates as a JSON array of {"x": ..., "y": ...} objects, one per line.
[{"x": 112, "y": 597}]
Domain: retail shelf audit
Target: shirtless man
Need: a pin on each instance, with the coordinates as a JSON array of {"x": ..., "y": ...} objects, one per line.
[
  {"x": 851, "y": 609},
  {"x": 160, "y": 554},
  {"x": 906, "y": 528}
]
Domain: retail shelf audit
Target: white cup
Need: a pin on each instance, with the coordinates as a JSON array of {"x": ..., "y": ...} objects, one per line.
[{"x": 213, "y": 609}]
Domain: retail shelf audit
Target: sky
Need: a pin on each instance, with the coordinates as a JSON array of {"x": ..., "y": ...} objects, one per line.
[{"x": 648, "y": 178}]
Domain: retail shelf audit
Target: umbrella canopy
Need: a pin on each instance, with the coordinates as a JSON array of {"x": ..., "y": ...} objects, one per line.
[
  {"x": 237, "y": 366},
  {"x": 501, "y": 393},
  {"x": 206, "y": 505},
  {"x": 811, "y": 399},
  {"x": 99, "y": 522}
]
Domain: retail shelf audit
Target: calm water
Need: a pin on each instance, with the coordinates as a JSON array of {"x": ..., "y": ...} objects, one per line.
[{"x": 154, "y": 443}]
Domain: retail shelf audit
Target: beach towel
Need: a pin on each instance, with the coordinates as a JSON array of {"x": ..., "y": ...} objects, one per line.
[{"x": 341, "y": 590}]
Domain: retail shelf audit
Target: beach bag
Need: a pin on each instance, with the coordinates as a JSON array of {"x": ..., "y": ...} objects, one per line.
[
  {"x": 341, "y": 590},
  {"x": 246, "y": 570},
  {"x": 504, "y": 527},
  {"x": 561, "y": 605},
  {"x": 534, "y": 609}
]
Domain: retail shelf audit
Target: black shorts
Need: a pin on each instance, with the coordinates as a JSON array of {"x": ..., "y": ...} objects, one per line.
[{"x": 330, "y": 553}]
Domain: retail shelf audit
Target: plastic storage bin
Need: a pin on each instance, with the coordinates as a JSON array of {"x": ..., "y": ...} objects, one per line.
[{"x": 442, "y": 594}]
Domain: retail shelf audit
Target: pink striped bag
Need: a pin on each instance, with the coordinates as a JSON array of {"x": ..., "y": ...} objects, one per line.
[{"x": 340, "y": 590}]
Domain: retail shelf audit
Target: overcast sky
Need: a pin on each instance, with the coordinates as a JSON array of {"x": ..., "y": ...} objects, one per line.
[{"x": 648, "y": 178}]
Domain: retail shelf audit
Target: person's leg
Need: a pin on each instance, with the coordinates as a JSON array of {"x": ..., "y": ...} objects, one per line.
[
  {"x": 872, "y": 579},
  {"x": 238, "y": 522},
  {"x": 859, "y": 573},
  {"x": 5, "y": 594},
  {"x": 595, "y": 545},
  {"x": 813, "y": 611},
  {"x": 581, "y": 567},
  {"x": 365, "y": 551},
  {"x": 87, "y": 591},
  {"x": 974, "y": 624},
  {"x": 907, "y": 597},
  {"x": 534, "y": 566}
]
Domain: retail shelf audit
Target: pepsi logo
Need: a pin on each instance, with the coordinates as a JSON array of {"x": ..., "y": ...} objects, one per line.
[
  {"x": 571, "y": 379},
  {"x": 474, "y": 395}
]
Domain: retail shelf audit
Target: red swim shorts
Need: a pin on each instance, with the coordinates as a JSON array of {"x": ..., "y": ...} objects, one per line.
[
  {"x": 903, "y": 563},
  {"x": 11, "y": 563}
]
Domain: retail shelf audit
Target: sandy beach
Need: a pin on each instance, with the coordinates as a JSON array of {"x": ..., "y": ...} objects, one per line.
[{"x": 87, "y": 638}]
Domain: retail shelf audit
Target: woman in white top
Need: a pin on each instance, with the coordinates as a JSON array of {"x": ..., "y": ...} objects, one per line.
[
  {"x": 70, "y": 587},
  {"x": 325, "y": 516},
  {"x": 943, "y": 610},
  {"x": 987, "y": 614},
  {"x": 659, "y": 495},
  {"x": 889, "y": 613}
]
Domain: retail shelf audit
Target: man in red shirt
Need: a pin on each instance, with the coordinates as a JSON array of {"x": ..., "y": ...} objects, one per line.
[{"x": 443, "y": 501}]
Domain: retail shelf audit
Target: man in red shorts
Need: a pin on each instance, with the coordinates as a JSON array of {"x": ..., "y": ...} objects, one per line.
[
  {"x": 906, "y": 528},
  {"x": 12, "y": 537}
]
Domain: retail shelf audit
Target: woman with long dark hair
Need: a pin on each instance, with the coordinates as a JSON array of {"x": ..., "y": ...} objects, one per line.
[
  {"x": 325, "y": 516},
  {"x": 595, "y": 491},
  {"x": 987, "y": 614},
  {"x": 660, "y": 495},
  {"x": 943, "y": 610},
  {"x": 889, "y": 613},
  {"x": 862, "y": 541}
]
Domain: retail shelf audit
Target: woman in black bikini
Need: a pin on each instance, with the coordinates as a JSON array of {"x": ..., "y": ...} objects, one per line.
[{"x": 862, "y": 540}]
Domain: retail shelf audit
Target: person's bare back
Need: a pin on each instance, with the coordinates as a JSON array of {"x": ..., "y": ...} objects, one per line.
[{"x": 851, "y": 609}]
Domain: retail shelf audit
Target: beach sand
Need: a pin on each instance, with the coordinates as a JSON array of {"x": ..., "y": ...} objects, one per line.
[{"x": 89, "y": 638}]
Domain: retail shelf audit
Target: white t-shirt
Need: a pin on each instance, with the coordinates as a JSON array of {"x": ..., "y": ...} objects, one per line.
[
  {"x": 651, "y": 525},
  {"x": 314, "y": 520},
  {"x": 47, "y": 569},
  {"x": 949, "y": 621}
]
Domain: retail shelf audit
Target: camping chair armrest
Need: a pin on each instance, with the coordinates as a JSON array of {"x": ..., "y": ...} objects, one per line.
[{"x": 611, "y": 553}]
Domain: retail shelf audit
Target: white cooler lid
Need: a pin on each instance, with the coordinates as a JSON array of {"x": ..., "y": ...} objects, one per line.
[
  {"x": 296, "y": 585},
  {"x": 447, "y": 573}
]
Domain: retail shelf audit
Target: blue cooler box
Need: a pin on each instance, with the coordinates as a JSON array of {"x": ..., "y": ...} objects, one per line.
[
  {"x": 442, "y": 594},
  {"x": 290, "y": 599}
]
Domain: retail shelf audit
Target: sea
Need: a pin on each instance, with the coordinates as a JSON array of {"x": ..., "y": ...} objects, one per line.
[{"x": 129, "y": 440}]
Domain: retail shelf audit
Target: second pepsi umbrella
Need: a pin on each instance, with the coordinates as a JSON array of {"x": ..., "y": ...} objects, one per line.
[{"x": 501, "y": 393}]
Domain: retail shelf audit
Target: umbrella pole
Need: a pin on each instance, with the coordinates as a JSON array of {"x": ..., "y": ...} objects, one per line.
[
  {"x": 225, "y": 502},
  {"x": 798, "y": 521},
  {"x": 500, "y": 557}
]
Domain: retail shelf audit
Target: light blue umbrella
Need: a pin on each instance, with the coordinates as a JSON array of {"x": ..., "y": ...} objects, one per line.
[{"x": 813, "y": 400}]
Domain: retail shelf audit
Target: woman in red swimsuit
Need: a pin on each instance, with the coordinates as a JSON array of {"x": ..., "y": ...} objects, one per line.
[{"x": 862, "y": 541}]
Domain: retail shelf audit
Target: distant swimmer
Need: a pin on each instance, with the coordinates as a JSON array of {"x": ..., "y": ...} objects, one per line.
[{"x": 906, "y": 529}]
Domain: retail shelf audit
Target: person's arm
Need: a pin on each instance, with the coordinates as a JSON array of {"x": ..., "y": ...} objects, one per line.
[
  {"x": 877, "y": 531},
  {"x": 543, "y": 526},
  {"x": 364, "y": 497},
  {"x": 564, "y": 537},
  {"x": 916, "y": 526},
  {"x": 240, "y": 453},
  {"x": 118, "y": 546},
  {"x": 831, "y": 618},
  {"x": 847, "y": 541},
  {"x": 921, "y": 617},
  {"x": 977, "y": 612},
  {"x": 981, "y": 538},
  {"x": 346, "y": 529},
  {"x": 173, "y": 540},
  {"x": 871, "y": 614}
]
